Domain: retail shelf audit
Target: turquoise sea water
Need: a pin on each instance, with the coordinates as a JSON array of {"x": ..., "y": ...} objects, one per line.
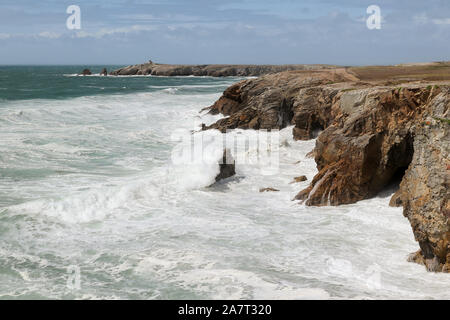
[
  {"x": 87, "y": 184},
  {"x": 60, "y": 82}
]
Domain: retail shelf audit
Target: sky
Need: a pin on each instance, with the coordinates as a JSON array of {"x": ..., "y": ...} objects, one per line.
[{"x": 228, "y": 31}]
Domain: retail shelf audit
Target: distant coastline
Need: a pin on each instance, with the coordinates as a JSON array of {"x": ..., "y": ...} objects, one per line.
[
  {"x": 213, "y": 70},
  {"x": 412, "y": 71}
]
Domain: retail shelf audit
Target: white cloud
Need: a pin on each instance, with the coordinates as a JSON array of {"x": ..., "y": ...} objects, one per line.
[
  {"x": 137, "y": 16},
  {"x": 106, "y": 32},
  {"x": 165, "y": 18},
  {"x": 424, "y": 19},
  {"x": 441, "y": 21},
  {"x": 49, "y": 35},
  {"x": 43, "y": 34}
]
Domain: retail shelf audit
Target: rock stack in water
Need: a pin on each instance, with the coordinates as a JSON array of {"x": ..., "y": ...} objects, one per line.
[{"x": 227, "y": 166}]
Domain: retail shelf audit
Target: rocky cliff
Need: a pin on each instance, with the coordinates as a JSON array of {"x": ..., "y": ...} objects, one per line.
[
  {"x": 370, "y": 134},
  {"x": 213, "y": 70}
]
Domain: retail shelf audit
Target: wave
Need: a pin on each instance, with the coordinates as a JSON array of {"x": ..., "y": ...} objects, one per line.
[
  {"x": 185, "y": 171},
  {"x": 193, "y": 86},
  {"x": 89, "y": 137},
  {"x": 216, "y": 282},
  {"x": 229, "y": 78},
  {"x": 97, "y": 75}
]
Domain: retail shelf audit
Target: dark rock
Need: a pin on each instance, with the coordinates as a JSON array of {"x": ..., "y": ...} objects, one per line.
[
  {"x": 86, "y": 72},
  {"x": 300, "y": 179},
  {"x": 268, "y": 190},
  {"x": 227, "y": 166}
]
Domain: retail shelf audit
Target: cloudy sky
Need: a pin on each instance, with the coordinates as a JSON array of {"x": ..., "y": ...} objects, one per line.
[{"x": 226, "y": 31}]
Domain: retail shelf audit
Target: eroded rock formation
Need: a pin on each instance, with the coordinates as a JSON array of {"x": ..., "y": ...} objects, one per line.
[
  {"x": 272, "y": 101},
  {"x": 369, "y": 142},
  {"x": 369, "y": 134}
]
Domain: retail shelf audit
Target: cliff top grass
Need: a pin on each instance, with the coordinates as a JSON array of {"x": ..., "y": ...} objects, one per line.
[
  {"x": 436, "y": 71},
  {"x": 442, "y": 120}
]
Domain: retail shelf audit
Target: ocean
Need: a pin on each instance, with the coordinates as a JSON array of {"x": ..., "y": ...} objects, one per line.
[{"x": 92, "y": 205}]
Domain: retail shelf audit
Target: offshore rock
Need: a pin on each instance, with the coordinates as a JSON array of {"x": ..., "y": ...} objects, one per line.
[
  {"x": 86, "y": 72},
  {"x": 299, "y": 179},
  {"x": 268, "y": 190},
  {"x": 227, "y": 166}
]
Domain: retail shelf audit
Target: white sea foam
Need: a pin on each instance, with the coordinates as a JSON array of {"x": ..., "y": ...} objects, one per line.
[
  {"x": 171, "y": 90},
  {"x": 90, "y": 182},
  {"x": 185, "y": 86}
]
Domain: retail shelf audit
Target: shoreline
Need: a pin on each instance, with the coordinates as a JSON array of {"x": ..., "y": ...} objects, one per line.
[{"x": 378, "y": 127}]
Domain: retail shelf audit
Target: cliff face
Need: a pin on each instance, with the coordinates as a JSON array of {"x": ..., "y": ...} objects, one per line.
[
  {"x": 209, "y": 70},
  {"x": 425, "y": 189},
  {"x": 272, "y": 101},
  {"x": 369, "y": 143},
  {"x": 369, "y": 136}
]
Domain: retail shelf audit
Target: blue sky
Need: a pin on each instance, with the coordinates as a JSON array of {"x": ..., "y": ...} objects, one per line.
[{"x": 212, "y": 31}]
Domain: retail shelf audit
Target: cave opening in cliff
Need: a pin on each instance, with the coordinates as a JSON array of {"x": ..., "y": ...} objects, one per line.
[
  {"x": 399, "y": 159},
  {"x": 316, "y": 127},
  {"x": 397, "y": 177},
  {"x": 286, "y": 113}
]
